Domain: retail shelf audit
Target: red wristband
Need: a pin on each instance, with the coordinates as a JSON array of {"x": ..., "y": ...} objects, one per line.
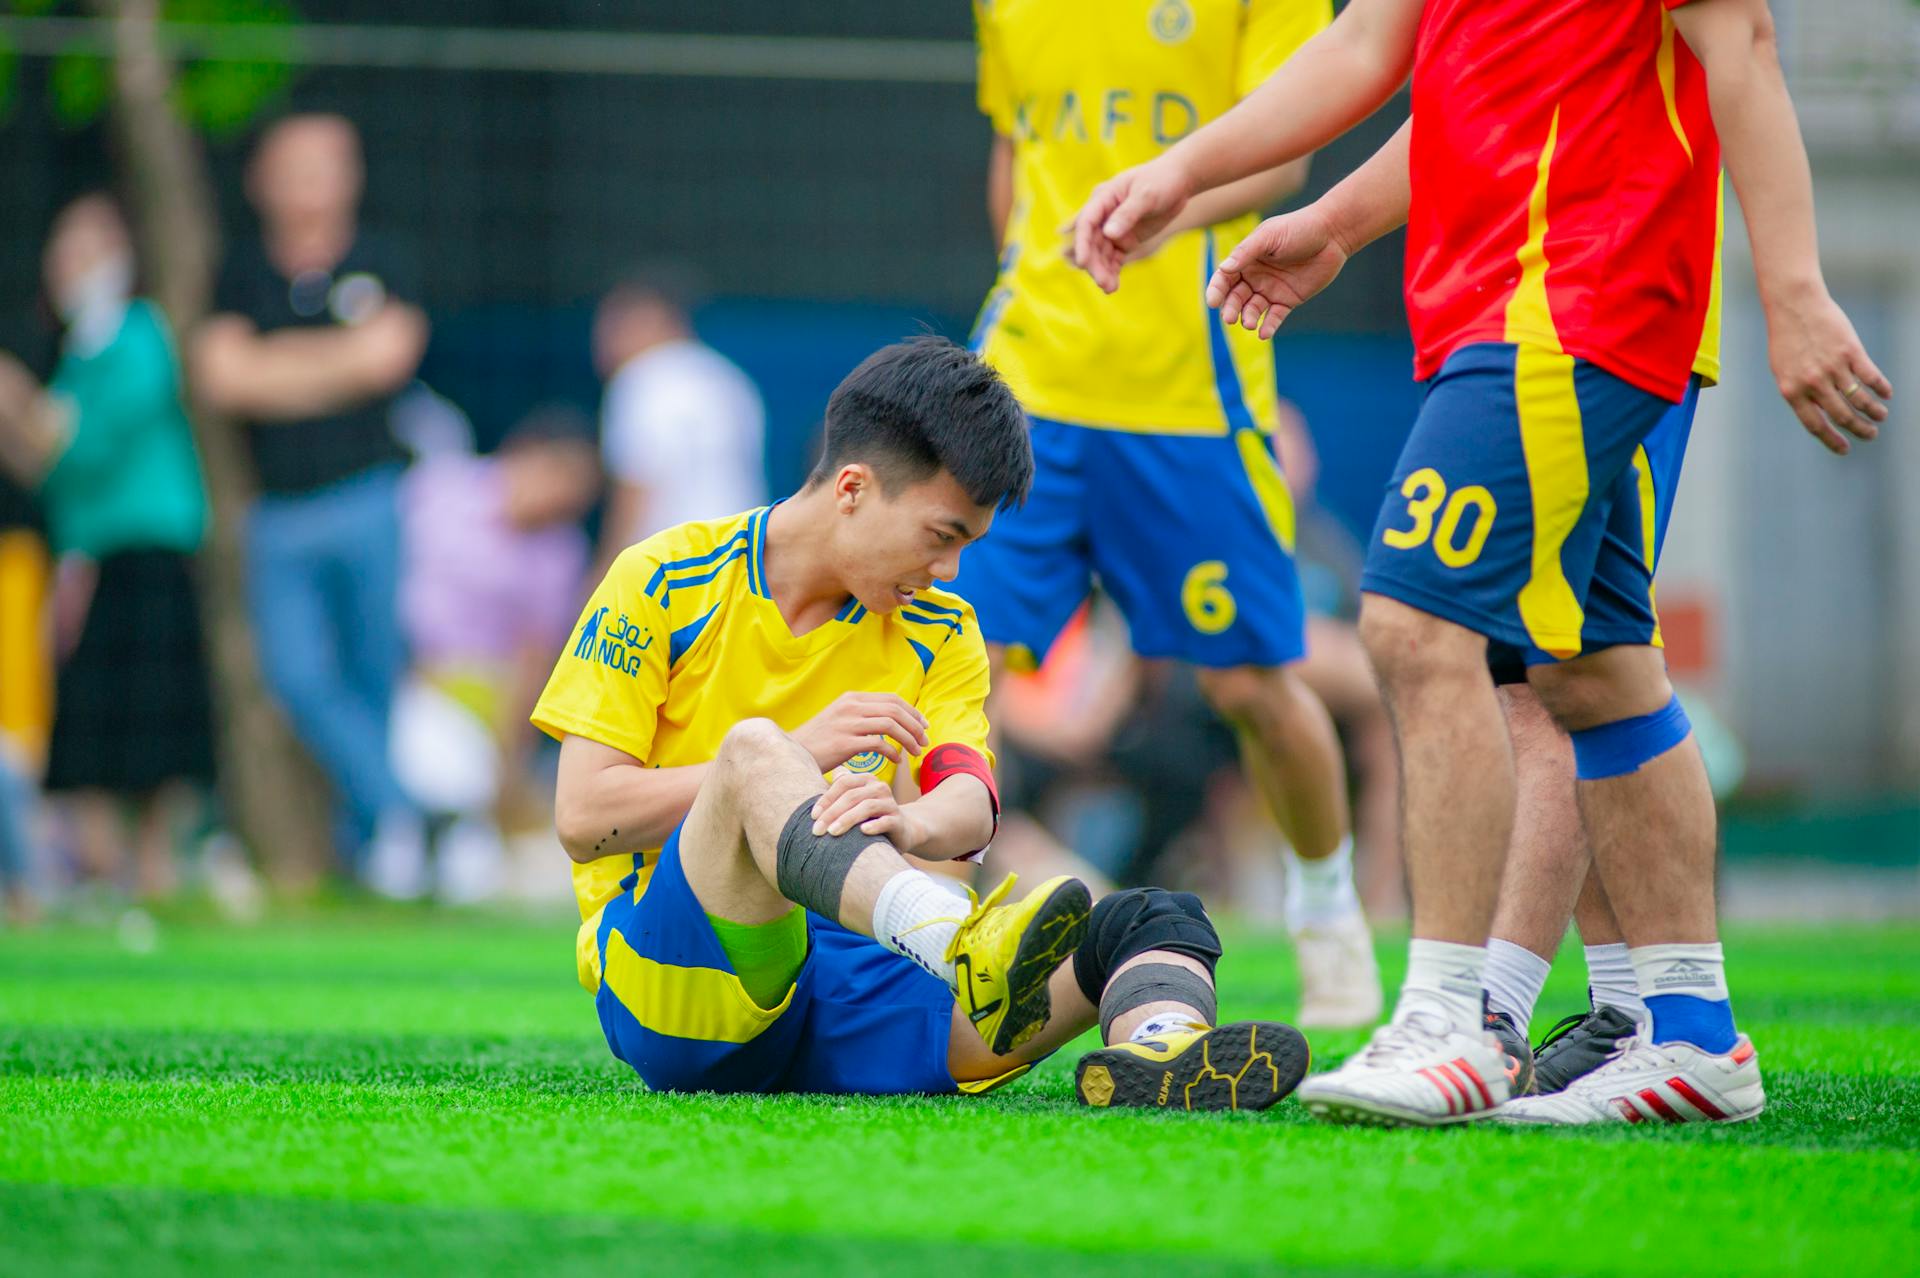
[{"x": 952, "y": 760}]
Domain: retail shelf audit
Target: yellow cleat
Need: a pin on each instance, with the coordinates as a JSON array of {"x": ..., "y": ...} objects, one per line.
[
  {"x": 1003, "y": 956},
  {"x": 1248, "y": 1065}
]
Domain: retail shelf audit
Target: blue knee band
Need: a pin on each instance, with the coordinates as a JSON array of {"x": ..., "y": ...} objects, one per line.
[{"x": 1615, "y": 749}]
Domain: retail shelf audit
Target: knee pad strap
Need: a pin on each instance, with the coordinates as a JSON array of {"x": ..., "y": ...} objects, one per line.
[
  {"x": 1156, "y": 983},
  {"x": 1137, "y": 920},
  {"x": 1616, "y": 749}
]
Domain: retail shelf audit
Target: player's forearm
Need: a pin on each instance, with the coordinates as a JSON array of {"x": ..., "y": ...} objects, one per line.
[
  {"x": 1333, "y": 82},
  {"x": 622, "y": 809},
  {"x": 1760, "y": 141},
  {"x": 1374, "y": 198},
  {"x": 955, "y": 818},
  {"x": 1254, "y": 194}
]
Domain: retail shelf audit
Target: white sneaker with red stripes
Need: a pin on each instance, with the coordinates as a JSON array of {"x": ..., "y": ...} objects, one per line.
[
  {"x": 1416, "y": 1071},
  {"x": 1654, "y": 1082}
]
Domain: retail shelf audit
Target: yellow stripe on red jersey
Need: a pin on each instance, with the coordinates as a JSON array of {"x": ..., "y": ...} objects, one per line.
[
  {"x": 682, "y": 640},
  {"x": 1084, "y": 89}
]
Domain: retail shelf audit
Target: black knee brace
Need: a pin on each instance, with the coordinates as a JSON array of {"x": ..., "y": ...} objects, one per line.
[{"x": 1135, "y": 921}]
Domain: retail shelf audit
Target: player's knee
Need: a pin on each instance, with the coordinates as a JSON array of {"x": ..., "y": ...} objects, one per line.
[
  {"x": 1245, "y": 694},
  {"x": 751, "y": 743},
  {"x": 1131, "y": 923},
  {"x": 1410, "y": 648},
  {"x": 1613, "y": 684}
]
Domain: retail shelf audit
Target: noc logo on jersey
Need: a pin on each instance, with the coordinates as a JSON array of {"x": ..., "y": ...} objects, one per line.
[
  {"x": 867, "y": 761},
  {"x": 617, "y": 646},
  {"x": 1172, "y": 21}
]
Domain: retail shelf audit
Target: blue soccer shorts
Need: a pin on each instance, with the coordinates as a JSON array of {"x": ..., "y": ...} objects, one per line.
[
  {"x": 1530, "y": 502},
  {"x": 1191, "y": 535},
  {"x": 858, "y": 1018}
]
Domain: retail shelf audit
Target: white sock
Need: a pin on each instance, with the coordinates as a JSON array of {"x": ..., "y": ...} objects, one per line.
[
  {"x": 916, "y": 915},
  {"x": 1446, "y": 980},
  {"x": 1166, "y": 1023},
  {"x": 1696, "y": 970},
  {"x": 1611, "y": 982},
  {"x": 1514, "y": 978},
  {"x": 1320, "y": 890}
]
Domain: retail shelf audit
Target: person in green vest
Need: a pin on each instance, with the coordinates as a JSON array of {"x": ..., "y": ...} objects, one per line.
[{"x": 108, "y": 451}]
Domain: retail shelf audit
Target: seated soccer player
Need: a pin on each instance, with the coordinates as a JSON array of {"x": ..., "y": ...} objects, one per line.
[{"x": 751, "y": 926}]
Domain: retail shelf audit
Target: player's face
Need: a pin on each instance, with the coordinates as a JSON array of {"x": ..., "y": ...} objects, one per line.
[{"x": 901, "y": 542}]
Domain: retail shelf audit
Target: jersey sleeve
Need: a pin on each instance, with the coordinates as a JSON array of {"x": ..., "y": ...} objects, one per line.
[
  {"x": 954, "y": 696},
  {"x": 611, "y": 678},
  {"x": 1273, "y": 31},
  {"x": 993, "y": 91}
]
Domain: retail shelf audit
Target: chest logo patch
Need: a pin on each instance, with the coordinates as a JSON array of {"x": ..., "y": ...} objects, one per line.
[{"x": 1171, "y": 21}]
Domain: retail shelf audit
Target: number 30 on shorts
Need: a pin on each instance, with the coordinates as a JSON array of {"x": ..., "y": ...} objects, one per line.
[{"x": 1426, "y": 494}]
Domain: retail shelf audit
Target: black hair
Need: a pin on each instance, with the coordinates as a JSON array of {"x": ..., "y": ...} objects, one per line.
[{"x": 925, "y": 405}]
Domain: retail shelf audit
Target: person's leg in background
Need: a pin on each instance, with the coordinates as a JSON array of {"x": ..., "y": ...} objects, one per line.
[
  {"x": 1193, "y": 539},
  {"x": 365, "y": 538},
  {"x": 290, "y": 595},
  {"x": 1336, "y": 670}
]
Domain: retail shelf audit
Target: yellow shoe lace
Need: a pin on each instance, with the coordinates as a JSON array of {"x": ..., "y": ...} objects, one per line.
[{"x": 980, "y": 910}]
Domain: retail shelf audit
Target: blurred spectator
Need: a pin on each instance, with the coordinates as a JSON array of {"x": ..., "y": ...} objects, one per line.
[
  {"x": 112, "y": 456},
  {"x": 493, "y": 576},
  {"x": 311, "y": 344},
  {"x": 1337, "y": 670},
  {"x": 682, "y": 427},
  {"x": 26, "y": 692}
]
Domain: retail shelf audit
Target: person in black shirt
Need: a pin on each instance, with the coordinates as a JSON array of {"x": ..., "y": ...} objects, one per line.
[{"x": 311, "y": 342}]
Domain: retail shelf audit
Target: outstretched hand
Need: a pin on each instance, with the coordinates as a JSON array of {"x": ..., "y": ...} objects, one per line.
[
  {"x": 1823, "y": 371},
  {"x": 1283, "y": 262},
  {"x": 1124, "y": 213}
]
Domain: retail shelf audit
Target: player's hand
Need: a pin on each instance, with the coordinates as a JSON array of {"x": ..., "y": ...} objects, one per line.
[
  {"x": 1283, "y": 262},
  {"x": 1125, "y": 213},
  {"x": 858, "y": 722},
  {"x": 857, "y": 798},
  {"x": 1823, "y": 371}
]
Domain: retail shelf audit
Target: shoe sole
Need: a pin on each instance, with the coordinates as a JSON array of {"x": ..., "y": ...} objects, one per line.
[
  {"x": 1355, "y": 1112},
  {"x": 1249, "y": 1065},
  {"x": 1057, "y": 930}
]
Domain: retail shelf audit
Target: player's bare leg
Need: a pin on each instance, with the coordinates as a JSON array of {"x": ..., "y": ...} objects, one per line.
[
  {"x": 1158, "y": 1016},
  {"x": 1434, "y": 1063},
  {"x": 1649, "y": 817},
  {"x": 1336, "y": 669},
  {"x": 750, "y": 853},
  {"x": 1291, "y": 755}
]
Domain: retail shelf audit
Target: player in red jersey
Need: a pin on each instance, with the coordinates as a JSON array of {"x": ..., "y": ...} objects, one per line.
[{"x": 1560, "y": 182}]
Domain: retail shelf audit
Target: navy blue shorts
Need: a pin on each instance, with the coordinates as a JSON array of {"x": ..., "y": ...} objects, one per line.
[
  {"x": 1530, "y": 503},
  {"x": 858, "y": 1018},
  {"x": 1191, "y": 535}
]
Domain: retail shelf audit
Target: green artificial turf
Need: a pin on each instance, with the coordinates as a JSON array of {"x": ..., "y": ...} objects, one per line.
[{"x": 399, "y": 1094}]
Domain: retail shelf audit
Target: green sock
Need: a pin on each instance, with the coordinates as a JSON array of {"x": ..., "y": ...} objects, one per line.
[{"x": 765, "y": 956}]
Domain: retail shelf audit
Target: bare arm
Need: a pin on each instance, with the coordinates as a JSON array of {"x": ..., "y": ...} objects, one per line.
[
  {"x": 1288, "y": 259},
  {"x": 1000, "y": 187},
  {"x": 1821, "y": 368},
  {"x": 608, "y": 803},
  {"x": 1335, "y": 80},
  {"x": 955, "y": 818},
  {"x": 296, "y": 374}
]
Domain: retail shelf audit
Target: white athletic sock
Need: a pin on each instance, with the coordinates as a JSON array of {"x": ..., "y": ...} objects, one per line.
[
  {"x": 1155, "y": 1026},
  {"x": 916, "y": 915},
  {"x": 1320, "y": 890},
  {"x": 1446, "y": 980},
  {"x": 1514, "y": 978},
  {"x": 1696, "y": 970},
  {"x": 1611, "y": 982}
]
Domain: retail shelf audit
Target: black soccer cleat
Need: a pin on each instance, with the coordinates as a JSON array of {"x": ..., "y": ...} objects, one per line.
[
  {"x": 1248, "y": 1065},
  {"x": 1516, "y": 1058},
  {"x": 1579, "y": 1045}
]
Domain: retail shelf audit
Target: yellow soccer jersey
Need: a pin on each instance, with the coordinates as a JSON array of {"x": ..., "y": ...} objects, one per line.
[
  {"x": 1086, "y": 88},
  {"x": 682, "y": 641}
]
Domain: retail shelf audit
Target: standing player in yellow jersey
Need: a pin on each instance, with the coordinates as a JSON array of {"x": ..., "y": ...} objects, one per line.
[
  {"x": 751, "y": 927},
  {"x": 1152, "y": 420}
]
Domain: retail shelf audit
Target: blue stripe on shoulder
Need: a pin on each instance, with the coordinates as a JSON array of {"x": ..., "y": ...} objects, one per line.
[
  {"x": 924, "y": 653},
  {"x": 738, "y": 552},
  {"x": 942, "y": 609},
  {"x": 682, "y": 639},
  {"x": 948, "y": 622},
  {"x": 726, "y": 547}
]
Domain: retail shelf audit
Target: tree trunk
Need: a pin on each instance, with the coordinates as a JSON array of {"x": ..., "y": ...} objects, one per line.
[{"x": 273, "y": 795}]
